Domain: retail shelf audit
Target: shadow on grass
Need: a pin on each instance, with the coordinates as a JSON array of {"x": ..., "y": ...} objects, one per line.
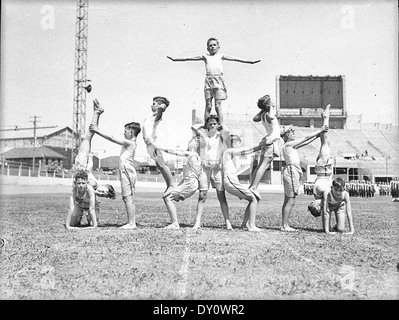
[
  {"x": 118, "y": 225},
  {"x": 110, "y": 225},
  {"x": 278, "y": 228},
  {"x": 310, "y": 229}
]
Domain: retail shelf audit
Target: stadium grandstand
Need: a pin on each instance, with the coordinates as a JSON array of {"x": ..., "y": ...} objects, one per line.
[{"x": 359, "y": 154}]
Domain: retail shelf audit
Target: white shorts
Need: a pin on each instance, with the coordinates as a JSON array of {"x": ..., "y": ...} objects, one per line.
[
  {"x": 128, "y": 178},
  {"x": 185, "y": 189},
  {"x": 233, "y": 186},
  {"x": 211, "y": 175},
  {"x": 215, "y": 88},
  {"x": 321, "y": 185},
  {"x": 291, "y": 180},
  {"x": 271, "y": 151}
]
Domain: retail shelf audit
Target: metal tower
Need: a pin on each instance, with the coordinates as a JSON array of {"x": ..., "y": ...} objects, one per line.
[{"x": 80, "y": 83}]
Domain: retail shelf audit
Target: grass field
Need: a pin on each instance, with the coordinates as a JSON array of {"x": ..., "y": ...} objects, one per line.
[{"x": 42, "y": 260}]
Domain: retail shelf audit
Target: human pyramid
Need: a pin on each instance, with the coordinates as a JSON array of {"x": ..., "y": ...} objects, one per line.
[{"x": 211, "y": 159}]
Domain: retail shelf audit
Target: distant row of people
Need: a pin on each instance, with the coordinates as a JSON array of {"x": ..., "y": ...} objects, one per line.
[
  {"x": 394, "y": 186},
  {"x": 384, "y": 189},
  {"x": 364, "y": 188}
]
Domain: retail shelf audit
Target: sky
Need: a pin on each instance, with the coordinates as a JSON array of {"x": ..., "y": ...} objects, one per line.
[{"x": 128, "y": 42}]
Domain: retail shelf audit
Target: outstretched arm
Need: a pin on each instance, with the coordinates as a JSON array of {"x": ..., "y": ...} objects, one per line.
[
  {"x": 243, "y": 151},
  {"x": 122, "y": 142},
  {"x": 171, "y": 151},
  {"x": 306, "y": 142},
  {"x": 299, "y": 143},
  {"x": 196, "y": 58},
  {"x": 229, "y": 58}
]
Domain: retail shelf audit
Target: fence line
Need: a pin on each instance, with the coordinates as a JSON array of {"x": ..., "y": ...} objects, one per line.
[{"x": 20, "y": 170}]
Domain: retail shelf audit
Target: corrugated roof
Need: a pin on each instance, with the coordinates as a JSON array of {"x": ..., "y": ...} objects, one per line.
[{"x": 24, "y": 153}]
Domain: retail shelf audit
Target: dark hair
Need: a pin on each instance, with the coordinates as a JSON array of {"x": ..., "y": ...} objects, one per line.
[
  {"x": 264, "y": 103},
  {"x": 234, "y": 136},
  {"x": 338, "y": 183},
  {"x": 285, "y": 129},
  {"x": 135, "y": 126},
  {"x": 210, "y": 39},
  {"x": 111, "y": 191},
  {"x": 161, "y": 100},
  {"x": 81, "y": 175},
  {"x": 214, "y": 117}
]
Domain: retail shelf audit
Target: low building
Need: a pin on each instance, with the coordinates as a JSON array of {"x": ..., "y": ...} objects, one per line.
[
  {"x": 44, "y": 158},
  {"x": 59, "y": 141}
]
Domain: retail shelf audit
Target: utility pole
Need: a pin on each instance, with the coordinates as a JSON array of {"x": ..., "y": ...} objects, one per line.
[
  {"x": 80, "y": 83},
  {"x": 34, "y": 141},
  {"x": 35, "y": 121}
]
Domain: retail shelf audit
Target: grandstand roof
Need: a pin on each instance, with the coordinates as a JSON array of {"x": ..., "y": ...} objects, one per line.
[
  {"x": 348, "y": 142},
  {"x": 382, "y": 145}
]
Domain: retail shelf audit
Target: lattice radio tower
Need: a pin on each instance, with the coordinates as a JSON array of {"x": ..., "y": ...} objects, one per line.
[{"x": 80, "y": 83}]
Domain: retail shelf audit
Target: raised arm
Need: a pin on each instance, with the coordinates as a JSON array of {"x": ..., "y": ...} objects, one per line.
[
  {"x": 299, "y": 143},
  {"x": 243, "y": 151},
  {"x": 225, "y": 132},
  {"x": 196, "y": 128},
  {"x": 171, "y": 151},
  {"x": 305, "y": 142},
  {"x": 122, "y": 142},
  {"x": 258, "y": 116},
  {"x": 160, "y": 112},
  {"x": 196, "y": 58},
  {"x": 230, "y": 58},
  {"x": 272, "y": 112}
]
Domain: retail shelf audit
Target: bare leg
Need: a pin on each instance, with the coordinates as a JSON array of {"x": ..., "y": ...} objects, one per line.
[
  {"x": 131, "y": 213},
  {"x": 324, "y": 155},
  {"x": 200, "y": 208},
  {"x": 244, "y": 223},
  {"x": 167, "y": 175},
  {"x": 251, "y": 211},
  {"x": 258, "y": 174},
  {"x": 89, "y": 219},
  {"x": 286, "y": 212},
  {"x": 84, "y": 158},
  {"x": 172, "y": 213},
  {"x": 208, "y": 109},
  {"x": 225, "y": 208},
  {"x": 340, "y": 222},
  {"x": 85, "y": 145},
  {"x": 218, "y": 109},
  {"x": 324, "y": 152}
]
